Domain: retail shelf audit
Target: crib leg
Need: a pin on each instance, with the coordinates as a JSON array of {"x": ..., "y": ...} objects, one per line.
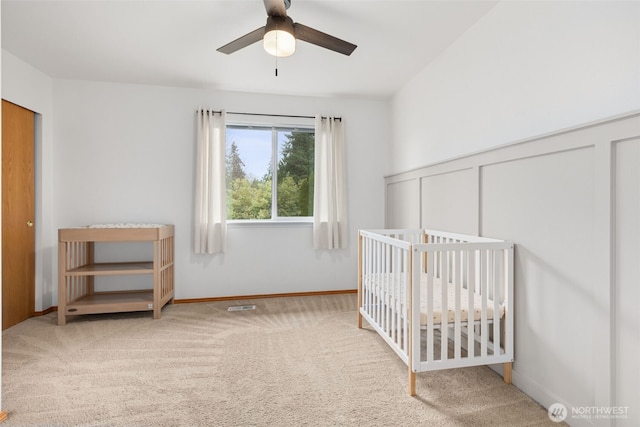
[
  {"x": 412, "y": 382},
  {"x": 359, "y": 293},
  {"x": 507, "y": 372}
]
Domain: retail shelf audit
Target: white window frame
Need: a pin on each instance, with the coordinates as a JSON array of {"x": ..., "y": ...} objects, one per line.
[{"x": 275, "y": 126}]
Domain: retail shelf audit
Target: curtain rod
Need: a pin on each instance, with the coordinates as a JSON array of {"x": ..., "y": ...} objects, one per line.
[{"x": 273, "y": 115}]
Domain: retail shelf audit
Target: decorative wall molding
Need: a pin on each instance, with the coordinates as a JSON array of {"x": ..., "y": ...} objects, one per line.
[{"x": 569, "y": 200}]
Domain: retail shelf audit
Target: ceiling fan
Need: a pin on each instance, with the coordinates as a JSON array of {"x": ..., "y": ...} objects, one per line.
[{"x": 280, "y": 33}]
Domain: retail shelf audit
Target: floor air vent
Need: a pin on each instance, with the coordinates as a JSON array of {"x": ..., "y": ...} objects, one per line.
[{"x": 241, "y": 308}]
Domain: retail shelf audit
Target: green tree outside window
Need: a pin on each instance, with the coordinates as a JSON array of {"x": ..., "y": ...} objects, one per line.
[{"x": 250, "y": 194}]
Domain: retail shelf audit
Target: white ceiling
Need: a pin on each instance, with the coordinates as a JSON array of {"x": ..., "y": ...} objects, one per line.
[{"x": 173, "y": 43}]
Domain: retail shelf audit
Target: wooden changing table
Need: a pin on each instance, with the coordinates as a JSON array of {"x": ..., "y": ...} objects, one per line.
[{"x": 77, "y": 269}]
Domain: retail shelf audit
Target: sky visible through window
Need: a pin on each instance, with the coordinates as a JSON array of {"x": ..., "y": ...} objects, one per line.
[{"x": 254, "y": 146}]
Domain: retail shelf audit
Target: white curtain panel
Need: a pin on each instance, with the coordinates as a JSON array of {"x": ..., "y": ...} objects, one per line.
[
  {"x": 210, "y": 222},
  {"x": 329, "y": 195}
]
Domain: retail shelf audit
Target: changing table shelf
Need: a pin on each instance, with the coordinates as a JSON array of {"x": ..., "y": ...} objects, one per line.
[
  {"x": 77, "y": 269},
  {"x": 112, "y": 268},
  {"x": 113, "y": 302}
]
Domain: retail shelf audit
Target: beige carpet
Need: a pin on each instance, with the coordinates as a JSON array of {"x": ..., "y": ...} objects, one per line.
[{"x": 291, "y": 362}]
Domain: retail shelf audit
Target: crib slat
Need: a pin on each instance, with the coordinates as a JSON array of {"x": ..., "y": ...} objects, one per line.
[
  {"x": 431, "y": 266},
  {"x": 376, "y": 270},
  {"x": 398, "y": 290},
  {"x": 394, "y": 294},
  {"x": 385, "y": 281},
  {"x": 377, "y": 284},
  {"x": 366, "y": 273},
  {"x": 444, "y": 306},
  {"x": 371, "y": 277},
  {"x": 457, "y": 280},
  {"x": 393, "y": 268},
  {"x": 380, "y": 269},
  {"x": 393, "y": 277},
  {"x": 374, "y": 279},
  {"x": 497, "y": 297},
  {"x": 380, "y": 293},
  {"x": 398, "y": 301},
  {"x": 392, "y": 288},
  {"x": 406, "y": 320},
  {"x": 385, "y": 293},
  {"x": 473, "y": 275},
  {"x": 484, "y": 278},
  {"x": 509, "y": 298}
]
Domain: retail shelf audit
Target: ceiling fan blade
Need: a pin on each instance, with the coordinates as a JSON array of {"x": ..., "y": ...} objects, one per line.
[
  {"x": 243, "y": 41},
  {"x": 275, "y": 7},
  {"x": 321, "y": 39}
]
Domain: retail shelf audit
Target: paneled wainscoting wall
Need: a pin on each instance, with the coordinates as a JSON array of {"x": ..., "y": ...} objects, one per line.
[{"x": 570, "y": 201}]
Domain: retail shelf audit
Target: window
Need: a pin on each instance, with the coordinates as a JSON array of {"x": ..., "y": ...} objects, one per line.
[{"x": 256, "y": 190}]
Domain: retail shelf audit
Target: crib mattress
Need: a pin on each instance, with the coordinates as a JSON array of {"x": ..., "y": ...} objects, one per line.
[
  {"x": 451, "y": 295},
  {"x": 437, "y": 302}
]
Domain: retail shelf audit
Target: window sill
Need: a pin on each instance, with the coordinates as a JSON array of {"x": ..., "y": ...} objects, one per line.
[{"x": 270, "y": 223}]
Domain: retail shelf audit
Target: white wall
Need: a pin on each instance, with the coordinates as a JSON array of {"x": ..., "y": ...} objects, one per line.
[
  {"x": 567, "y": 199},
  {"x": 526, "y": 68},
  {"x": 125, "y": 153},
  {"x": 444, "y": 209}
]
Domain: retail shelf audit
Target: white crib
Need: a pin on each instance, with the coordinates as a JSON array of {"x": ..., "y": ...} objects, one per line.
[{"x": 440, "y": 300}]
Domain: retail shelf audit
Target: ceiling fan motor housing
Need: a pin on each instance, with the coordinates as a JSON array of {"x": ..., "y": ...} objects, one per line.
[{"x": 283, "y": 23}]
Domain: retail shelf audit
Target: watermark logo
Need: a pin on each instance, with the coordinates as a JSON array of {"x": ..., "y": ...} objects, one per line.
[{"x": 557, "y": 412}]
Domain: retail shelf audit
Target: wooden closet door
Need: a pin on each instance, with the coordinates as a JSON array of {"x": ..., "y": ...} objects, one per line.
[{"x": 18, "y": 237}]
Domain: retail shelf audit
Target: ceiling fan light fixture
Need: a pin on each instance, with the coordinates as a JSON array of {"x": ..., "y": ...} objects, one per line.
[{"x": 279, "y": 36}]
